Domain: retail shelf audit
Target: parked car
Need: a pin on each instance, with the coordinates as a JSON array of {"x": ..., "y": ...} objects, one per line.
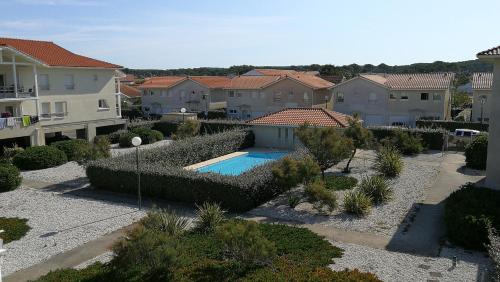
[{"x": 466, "y": 132}]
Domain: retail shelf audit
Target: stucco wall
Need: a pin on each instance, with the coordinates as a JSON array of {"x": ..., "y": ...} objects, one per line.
[
  {"x": 493, "y": 166},
  {"x": 275, "y": 137},
  {"x": 476, "y": 105}
]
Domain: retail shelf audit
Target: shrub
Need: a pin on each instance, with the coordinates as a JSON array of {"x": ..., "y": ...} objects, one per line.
[
  {"x": 340, "y": 182},
  {"x": 39, "y": 157},
  {"x": 388, "y": 161},
  {"x": 209, "y": 216},
  {"x": 405, "y": 142},
  {"x": 114, "y": 137},
  {"x": 451, "y": 125},
  {"x": 468, "y": 212},
  {"x": 293, "y": 201},
  {"x": 14, "y": 228},
  {"x": 125, "y": 140},
  {"x": 286, "y": 172},
  {"x": 96, "y": 272},
  {"x": 11, "y": 152},
  {"x": 243, "y": 242},
  {"x": 376, "y": 188},
  {"x": 308, "y": 169},
  {"x": 189, "y": 128},
  {"x": 101, "y": 148},
  {"x": 166, "y": 221},
  {"x": 148, "y": 136},
  {"x": 432, "y": 139},
  {"x": 476, "y": 153},
  {"x": 10, "y": 177},
  {"x": 320, "y": 196},
  {"x": 357, "y": 203},
  {"x": 166, "y": 127},
  {"x": 75, "y": 150}
]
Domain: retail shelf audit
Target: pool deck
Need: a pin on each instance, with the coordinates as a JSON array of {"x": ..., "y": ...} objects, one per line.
[{"x": 229, "y": 156}]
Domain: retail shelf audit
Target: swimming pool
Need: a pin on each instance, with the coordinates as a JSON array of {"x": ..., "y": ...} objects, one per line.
[{"x": 240, "y": 164}]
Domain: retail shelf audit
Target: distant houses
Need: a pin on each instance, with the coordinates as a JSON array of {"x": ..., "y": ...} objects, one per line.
[{"x": 481, "y": 90}]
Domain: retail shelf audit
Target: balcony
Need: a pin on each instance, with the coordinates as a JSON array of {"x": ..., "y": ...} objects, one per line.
[{"x": 22, "y": 93}]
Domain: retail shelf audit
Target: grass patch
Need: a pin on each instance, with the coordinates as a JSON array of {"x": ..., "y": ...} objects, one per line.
[
  {"x": 14, "y": 228},
  {"x": 340, "y": 182}
]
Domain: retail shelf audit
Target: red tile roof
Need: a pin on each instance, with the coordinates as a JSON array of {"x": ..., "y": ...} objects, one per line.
[
  {"x": 127, "y": 78},
  {"x": 298, "y": 116},
  {"x": 413, "y": 80},
  {"x": 275, "y": 72},
  {"x": 53, "y": 55},
  {"x": 251, "y": 82},
  {"x": 162, "y": 82},
  {"x": 130, "y": 91},
  {"x": 490, "y": 52},
  {"x": 482, "y": 80},
  {"x": 212, "y": 81},
  {"x": 333, "y": 78},
  {"x": 312, "y": 81}
]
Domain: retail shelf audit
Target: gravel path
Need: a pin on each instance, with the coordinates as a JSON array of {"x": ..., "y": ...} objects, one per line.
[
  {"x": 70, "y": 173},
  {"x": 76, "y": 220},
  {"x": 117, "y": 151},
  {"x": 392, "y": 266},
  {"x": 419, "y": 174},
  {"x": 104, "y": 258}
]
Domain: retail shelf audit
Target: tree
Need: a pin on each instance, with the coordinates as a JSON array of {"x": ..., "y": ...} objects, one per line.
[
  {"x": 326, "y": 145},
  {"x": 460, "y": 100},
  {"x": 189, "y": 128},
  {"x": 360, "y": 136}
]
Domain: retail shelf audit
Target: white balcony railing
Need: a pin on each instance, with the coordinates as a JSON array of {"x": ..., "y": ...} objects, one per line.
[{"x": 10, "y": 93}]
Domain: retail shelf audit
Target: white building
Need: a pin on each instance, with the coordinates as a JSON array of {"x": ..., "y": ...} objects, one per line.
[{"x": 481, "y": 93}]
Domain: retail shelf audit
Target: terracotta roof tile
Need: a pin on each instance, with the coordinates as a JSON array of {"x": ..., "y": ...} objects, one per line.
[
  {"x": 490, "y": 52},
  {"x": 251, "y": 82},
  {"x": 482, "y": 80},
  {"x": 298, "y": 116},
  {"x": 333, "y": 78},
  {"x": 413, "y": 80},
  {"x": 212, "y": 81},
  {"x": 52, "y": 54},
  {"x": 162, "y": 82},
  {"x": 312, "y": 81},
  {"x": 128, "y": 77},
  {"x": 130, "y": 91},
  {"x": 275, "y": 72}
]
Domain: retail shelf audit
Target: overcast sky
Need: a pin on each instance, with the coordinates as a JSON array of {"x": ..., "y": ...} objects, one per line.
[{"x": 183, "y": 33}]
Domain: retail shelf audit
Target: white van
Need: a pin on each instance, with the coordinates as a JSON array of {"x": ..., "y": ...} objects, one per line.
[{"x": 466, "y": 132}]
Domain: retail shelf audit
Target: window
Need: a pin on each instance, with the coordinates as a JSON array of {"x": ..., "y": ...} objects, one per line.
[
  {"x": 290, "y": 94},
  {"x": 436, "y": 97},
  {"x": 392, "y": 96},
  {"x": 231, "y": 93},
  {"x": 60, "y": 109},
  {"x": 103, "y": 104},
  {"x": 45, "y": 110},
  {"x": 277, "y": 96},
  {"x": 340, "y": 97},
  {"x": 43, "y": 82},
  {"x": 151, "y": 93},
  {"x": 372, "y": 98},
  {"x": 2, "y": 80},
  {"x": 424, "y": 96},
  {"x": 169, "y": 93},
  {"x": 69, "y": 82},
  {"x": 404, "y": 96},
  {"x": 232, "y": 111},
  {"x": 95, "y": 77}
]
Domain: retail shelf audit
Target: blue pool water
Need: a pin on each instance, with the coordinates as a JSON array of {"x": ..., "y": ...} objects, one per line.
[{"x": 240, "y": 164}]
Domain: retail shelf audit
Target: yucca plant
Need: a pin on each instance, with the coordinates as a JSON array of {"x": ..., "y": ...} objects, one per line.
[
  {"x": 357, "y": 203},
  {"x": 209, "y": 216},
  {"x": 376, "y": 188},
  {"x": 166, "y": 221},
  {"x": 388, "y": 161}
]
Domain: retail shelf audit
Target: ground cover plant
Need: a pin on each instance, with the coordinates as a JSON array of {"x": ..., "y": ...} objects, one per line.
[
  {"x": 14, "y": 228},
  {"x": 340, "y": 182},
  {"x": 39, "y": 157}
]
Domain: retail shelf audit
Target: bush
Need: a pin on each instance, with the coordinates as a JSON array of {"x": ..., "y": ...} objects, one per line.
[
  {"x": 101, "y": 148},
  {"x": 376, "y": 188},
  {"x": 125, "y": 140},
  {"x": 166, "y": 221},
  {"x": 148, "y": 136},
  {"x": 432, "y": 139},
  {"x": 75, "y": 150},
  {"x": 39, "y": 157},
  {"x": 243, "y": 242},
  {"x": 10, "y": 177},
  {"x": 468, "y": 212},
  {"x": 452, "y": 125},
  {"x": 209, "y": 216},
  {"x": 189, "y": 128},
  {"x": 357, "y": 203},
  {"x": 14, "y": 228},
  {"x": 340, "y": 182},
  {"x": 114, "y": 137},
  {"x": 308, "y": 169},
  {"x": 405, "y": 142},
  {"x": 293, "y": 201},
  {"x": 388, "y": 161},
  {"x": 11, "y": 152},
  {"x": 476, "y": 153},
  {"x": 286, "y": 173},
  {"x": 166, "y": 127},
  {"x": 96, "y": 272},
  {"x": 320, "y": 196}
]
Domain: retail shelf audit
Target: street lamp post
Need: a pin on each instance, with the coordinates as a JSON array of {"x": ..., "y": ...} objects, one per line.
[
  {"x": 483, "y": 100},
  {"x": 2, "y": 253},
  {"x": 136, "y": 141},
  {"x": 183, "y": 111}
]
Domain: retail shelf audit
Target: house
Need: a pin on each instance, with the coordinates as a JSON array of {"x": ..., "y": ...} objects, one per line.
[
  {"x": 131, "y": 95},
  {"x": 128, "y": 79},
  {"x": 493, "y": 164},
  {"x": 481, "y": 91},
  {"x": 46, "y": 89},
  {"x": 278, "y": 129},
  {"x": 194, "y": 93},
  {"x": 278, "y": 72},
  {"x": 395, "y": 99},
  {"x": 252, "y": 96}
]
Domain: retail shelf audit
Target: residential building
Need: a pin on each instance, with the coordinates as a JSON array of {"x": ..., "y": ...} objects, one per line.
[
  {"x": 252, "y": 96},
  {"x": 493, "y": 164},
  {"x": 46, "y": 89},
  {"x": 395, "y": 99},
  {"x": 128, "y": 79},
  {"x": 194, "y": 93},
  {"x": 278, "y": 129},
  {"x": 481, "y": 91},
  {"x": 131, "y": 95},
  {"x": 335, "y": 79}
]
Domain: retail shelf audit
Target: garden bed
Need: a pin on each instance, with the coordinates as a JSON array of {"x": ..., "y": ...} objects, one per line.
[{"x": 419, "y": 174}]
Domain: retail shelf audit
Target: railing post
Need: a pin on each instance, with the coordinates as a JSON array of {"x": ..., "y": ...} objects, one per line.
[
  {"x": 35, "y": 75},
  {"x": 14, "y": 74}
]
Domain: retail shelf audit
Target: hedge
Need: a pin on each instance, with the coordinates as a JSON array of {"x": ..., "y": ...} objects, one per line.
[
  {"x": 163, "y": 176},
  {"x": 452, "y": 125},
  {"x": 432, "y": 139},
  {"x": 476, "y": 153},
  {"x": 75, "y": 150},
  {"x": 148, "y": 136},
  {"x": 210, "y": 126},
  {"x": 39, "y": 157},
  {"x": 10, "y": 177}
]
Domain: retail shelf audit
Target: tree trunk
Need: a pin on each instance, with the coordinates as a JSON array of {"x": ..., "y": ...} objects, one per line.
[
  {"x": 347, "y": 169},
  {"x": 323, "y": 174}
]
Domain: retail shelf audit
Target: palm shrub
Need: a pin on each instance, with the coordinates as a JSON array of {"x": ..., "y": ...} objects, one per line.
[
  {"x": 293, "y": 201},
  {"x": 189, "y": 128},
  {"x": 75, "y": 150},
  {"x": 166, "y": 221},
  {"x": 320, "y": 197},
  {"x": 376, "y": 188},
  {"x": 243, "y": 242},
  {"x": 101, "y": 148},
  {"x": 476, "y": 152},
  {"x": 39, "y": 157},
  {"x": 357, "y": 203},
  {"x": 286, "y": 172},
  {"x": 209, "y": 216},
  {"x": 10, "y": 177},
  {"x": 388, "y": 161}
]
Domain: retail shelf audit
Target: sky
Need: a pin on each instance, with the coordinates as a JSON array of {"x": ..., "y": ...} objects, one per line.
[{"x": 219, "y": 33}]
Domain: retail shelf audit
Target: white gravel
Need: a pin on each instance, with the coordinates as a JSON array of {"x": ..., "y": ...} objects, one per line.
[
  {"x": 392, "y": 266},
  {"x": 117, "y": 151},
  {"x": 77, "y": 220},
  {"x": 70, "y": 173},
  {"x": 419, "y": 173},
  {"x": 104, "y": 258}
]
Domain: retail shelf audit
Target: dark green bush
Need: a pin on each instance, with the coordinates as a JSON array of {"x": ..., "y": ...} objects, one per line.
[
  {"x": 75, "y": 150},
  {"x": 101, "y": 148},
  {"x": 39, "y": 157},
  {"x": 452, "y": 125},
  {"x": 15, "y": 228},
  {"x": 408, "y": 144},
  {"x": 357, "y": 203},
  {"x": 476, "y": 153},
  {"x": 286, "y": 173},
  {"x": 10, "y": 177},
  {"x": 432, "y": 139},
  {"x": 376, "y": 188},
  {"x": 148, "y": 136},
  {"x": 125, "y": 140},
  {"x": 468, "y": 211},
  {"x": 340, "y": 182},
  {"x": 166, "y": 127},
  {"x": 186, "y": 129},
  {"x": 96, "y": 272},
  {"x": 388, "y": 161},
  {"x": 114, "y": 137}
]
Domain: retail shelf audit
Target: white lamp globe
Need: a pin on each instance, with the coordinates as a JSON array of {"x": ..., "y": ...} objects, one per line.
[
  {"x": 183, "y": 110},
  {"x": 136, "y": 141}
]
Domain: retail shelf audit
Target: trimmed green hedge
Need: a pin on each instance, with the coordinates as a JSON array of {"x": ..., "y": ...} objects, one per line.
[
  {"x": 75, "y": 150},
  {"x": 452, "y": 125},
  {"x": 39, "y": 157},
  {"x": 10, "y": 177},
  {"x": 432, "y": 139},
  {"x": 210, "y": 126}
]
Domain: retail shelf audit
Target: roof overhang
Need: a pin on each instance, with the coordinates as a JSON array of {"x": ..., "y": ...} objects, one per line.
[
  {"x": 19, "y": 53},
  {"x": 488, "y": 58}
]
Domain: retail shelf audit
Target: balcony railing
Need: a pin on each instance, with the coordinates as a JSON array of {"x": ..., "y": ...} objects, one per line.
[
  {"x": 17, "y": 122},
  {"x": 10, "y": 93}
]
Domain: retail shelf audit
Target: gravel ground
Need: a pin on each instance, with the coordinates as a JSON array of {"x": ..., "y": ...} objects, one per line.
[
  {"x": 392, "y": 266},
  {"x": 76, "y": 220},
  {"x": 104, "y": 258},
  {"x": 419, "y": 173},
  {"x": 117, "y": 151},
  {"x": 70, "y": 173}
]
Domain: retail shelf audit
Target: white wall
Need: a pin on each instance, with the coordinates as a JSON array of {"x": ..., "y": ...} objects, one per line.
[{"x": 493, "y": 165}]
